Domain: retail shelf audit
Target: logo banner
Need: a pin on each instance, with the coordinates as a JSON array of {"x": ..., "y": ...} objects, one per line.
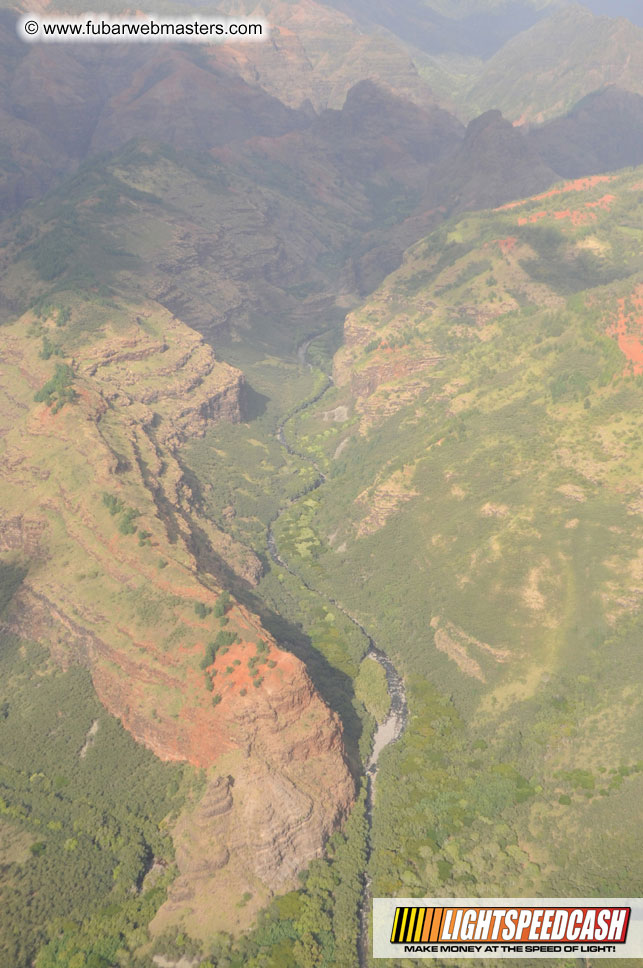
[{"x": 507, "y": 928}]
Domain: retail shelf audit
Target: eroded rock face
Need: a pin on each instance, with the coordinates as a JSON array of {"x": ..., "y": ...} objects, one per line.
[
  {"x": 254, "y": 826},
  {"x": 288, "y": 787},
  {"x": 181, "y": 382},
  {"x": 135, "y": 602}
]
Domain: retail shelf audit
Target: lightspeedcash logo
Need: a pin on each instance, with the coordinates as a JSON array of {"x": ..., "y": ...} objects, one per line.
[{"x": 493, "y": 928}]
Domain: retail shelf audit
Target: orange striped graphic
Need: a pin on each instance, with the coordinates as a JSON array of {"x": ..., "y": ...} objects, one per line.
[{"x": 421, "y": 925}]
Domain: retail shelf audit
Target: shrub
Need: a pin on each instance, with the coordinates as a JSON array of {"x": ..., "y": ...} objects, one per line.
[
  {"x": 222, "y": 605},
  {"x": 59, "y": 389},
  {"x": 113, "y": 504},
  {"x": 208, "y": 658},
  {"x": 225, "y": 639},
  {"x": 126, "y": 524},
  {"x": 49, "y": 349}
]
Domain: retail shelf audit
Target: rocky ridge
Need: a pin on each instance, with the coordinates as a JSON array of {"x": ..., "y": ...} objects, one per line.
[{"x": 97, "y": 508}]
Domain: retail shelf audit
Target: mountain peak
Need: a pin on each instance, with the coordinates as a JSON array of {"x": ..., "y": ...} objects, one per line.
[{"x": 488, "y": 119}]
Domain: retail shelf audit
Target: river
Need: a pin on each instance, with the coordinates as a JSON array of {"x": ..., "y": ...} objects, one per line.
[{"x": 391, "y": 728}]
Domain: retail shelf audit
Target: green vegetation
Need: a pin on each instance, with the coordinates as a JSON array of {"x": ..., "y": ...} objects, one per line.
[
  {"x": 222, "y": 605},
  {"x": 564, "y": 271},
  {"x": 126, "y": 524},
  {"x": 127, "y": 517},
  {"x": 493, "y": 584},
  {"x": 210, "y": 652},
  {"x": 371, "y": 689},
  {"x": 12, "y": 574},
  {"x": 521, "y": 450},
  {"x": 224, "y": 639},
  {"x": 315, "y": 927},
  {"x": 113, "y": 504},
  {"x": 59, "y": 390},
  {"x": 91, "y": 805},
  {"x": 110, "y": 937},
  {"x": 49, "y": 349},
  {"x": 220, "y": 645},
  {"x": 244, "y": 467},
  {"x": 479, "y": 516}
]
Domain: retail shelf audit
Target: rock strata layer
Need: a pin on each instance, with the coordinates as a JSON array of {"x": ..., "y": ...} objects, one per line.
[{"x": 99, "y": 515}]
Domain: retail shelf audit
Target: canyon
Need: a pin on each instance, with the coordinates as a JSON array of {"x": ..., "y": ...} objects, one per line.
[{"x": 309, "y": 358}]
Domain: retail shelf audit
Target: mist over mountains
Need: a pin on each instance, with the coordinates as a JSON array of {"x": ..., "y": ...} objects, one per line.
[
  {"x": 320, "y": 474},
  {"x": 382, "y": 168}
]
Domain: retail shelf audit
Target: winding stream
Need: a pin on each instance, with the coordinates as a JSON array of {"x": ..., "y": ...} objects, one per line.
[{"x": 391, "y": 728}]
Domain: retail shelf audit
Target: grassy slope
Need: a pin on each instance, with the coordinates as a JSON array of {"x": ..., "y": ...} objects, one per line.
[
  {"x": 81, "y": 803},
  {"x": 71, "y": 472},
  {"x": 483, "y": 521},
  {"x": 542, "y": 72},
  {"x": 522, "y": 385},
  {"x": 148, "y": 221}
]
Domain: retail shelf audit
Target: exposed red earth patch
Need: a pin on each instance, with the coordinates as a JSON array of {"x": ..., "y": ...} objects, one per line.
[
  {"x": 229, "y": 683},
  {"x": 200, "y": 733},
  {"x": 628, "y": 330},
  {"x": 605, "y": 203},
  {"x": 45, "y": 415},
  {"x": 507, "y": 245},
  {"x": 534, "y": 217},
  {"x": 578, "y": 185},
  {"x": 575, "y": 216}
]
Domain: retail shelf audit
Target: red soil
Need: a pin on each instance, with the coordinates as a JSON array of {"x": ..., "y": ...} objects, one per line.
[
  {"x": 534, "y": 217},
  {"x": 628, "y": 330},
  {"x": 605, "y": 203},
  {"x": 578, "y": 185},
  {"x": 507, "y": 245},
  {"x": 576, "y": 217},
  {"x": 45, "y": 416},
  {"x": 241, "y": 676}
]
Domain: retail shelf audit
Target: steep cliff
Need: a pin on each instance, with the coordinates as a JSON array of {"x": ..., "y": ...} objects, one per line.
[{"x": 94, "y": 400}]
